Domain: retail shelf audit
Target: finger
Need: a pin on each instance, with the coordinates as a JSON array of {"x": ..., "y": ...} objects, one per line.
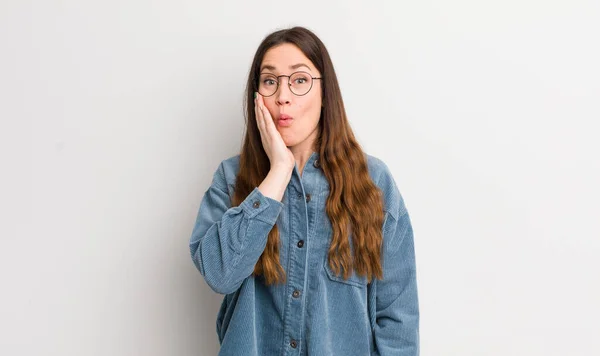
[
  {"x": 259, "y": 116},
  {"x": 268, "y": 119},
  {"x": 269, "y": 123}
]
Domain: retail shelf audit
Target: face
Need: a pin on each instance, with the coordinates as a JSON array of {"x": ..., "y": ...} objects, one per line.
[{"x": 301, "y": 131}]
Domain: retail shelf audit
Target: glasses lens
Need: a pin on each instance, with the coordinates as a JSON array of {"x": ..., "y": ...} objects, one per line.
[
  {"x": 300, "y": 83},
  {"x": 267, "y": 84}
]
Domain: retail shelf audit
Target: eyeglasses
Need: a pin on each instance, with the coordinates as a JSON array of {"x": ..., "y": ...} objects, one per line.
[{"x": 300, "y": 83}]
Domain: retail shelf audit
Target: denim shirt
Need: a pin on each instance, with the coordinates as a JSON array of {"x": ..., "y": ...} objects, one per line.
[{"x": 315, "y": 312}]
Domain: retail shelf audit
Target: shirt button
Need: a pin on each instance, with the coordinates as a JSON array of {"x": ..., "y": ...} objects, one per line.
[
  {"x": 293, "y": 343},
  {"x": 300, "y": 243},
  {"x": 307, "y": 198},
  {"x": 296, "y": 293},
  {"x": 316, "y": 163},
  {"x": 256, "y": 204}
]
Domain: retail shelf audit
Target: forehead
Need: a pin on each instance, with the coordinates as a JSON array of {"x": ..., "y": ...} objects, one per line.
[{"x": 286, "y": 57}]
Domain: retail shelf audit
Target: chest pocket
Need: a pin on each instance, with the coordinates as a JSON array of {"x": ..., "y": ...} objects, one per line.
[
  {"x": 354, "y": 279},
  {"x": 325, "y": 227}
]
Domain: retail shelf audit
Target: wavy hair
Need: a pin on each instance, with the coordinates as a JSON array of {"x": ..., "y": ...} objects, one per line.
[{"x": 354, "y": 205}]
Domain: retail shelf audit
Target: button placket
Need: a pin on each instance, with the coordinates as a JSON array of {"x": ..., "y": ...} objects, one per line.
[{"x": 294, "y": 314}]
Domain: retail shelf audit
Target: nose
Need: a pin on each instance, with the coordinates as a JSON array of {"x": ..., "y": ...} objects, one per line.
[{"x": 283, "y": 94}]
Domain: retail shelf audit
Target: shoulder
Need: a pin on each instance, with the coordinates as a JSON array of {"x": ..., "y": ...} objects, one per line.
[
  {"x": 226, "y": 172},
  {"x": 381, "y": 175}
]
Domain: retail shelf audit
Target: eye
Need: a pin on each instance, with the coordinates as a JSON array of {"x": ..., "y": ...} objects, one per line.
[
  {"x": 269, "y": 81},
  {"x": 301, "y": 80}
]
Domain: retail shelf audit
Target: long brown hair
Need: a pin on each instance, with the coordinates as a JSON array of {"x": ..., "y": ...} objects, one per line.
[{"x": 354, "y": 201}]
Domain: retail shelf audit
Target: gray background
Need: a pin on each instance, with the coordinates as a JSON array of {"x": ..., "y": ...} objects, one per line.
[{"x": 115, "y": 114}]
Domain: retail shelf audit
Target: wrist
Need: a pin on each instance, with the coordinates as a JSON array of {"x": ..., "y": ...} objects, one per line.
[{"x": 281, "y": 169}]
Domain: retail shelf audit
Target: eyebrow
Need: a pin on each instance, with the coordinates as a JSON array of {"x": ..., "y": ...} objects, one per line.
[{"x": 295, "y": 66}]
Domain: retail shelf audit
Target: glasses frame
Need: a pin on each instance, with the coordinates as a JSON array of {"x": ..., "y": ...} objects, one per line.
[{"x": 288, "y": 81}]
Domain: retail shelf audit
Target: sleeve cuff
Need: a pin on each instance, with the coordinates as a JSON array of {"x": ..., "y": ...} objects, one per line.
[{"x": 256, "y": 205}]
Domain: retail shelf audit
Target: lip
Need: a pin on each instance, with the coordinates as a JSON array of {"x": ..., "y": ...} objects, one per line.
[{"x": 284, "y": 120}]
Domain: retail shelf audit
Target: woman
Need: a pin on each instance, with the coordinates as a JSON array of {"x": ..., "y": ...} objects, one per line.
[{"x": 306, "y": 235}]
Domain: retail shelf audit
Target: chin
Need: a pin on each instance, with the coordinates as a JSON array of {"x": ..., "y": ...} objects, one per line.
[{"x": 289, "y": 141}]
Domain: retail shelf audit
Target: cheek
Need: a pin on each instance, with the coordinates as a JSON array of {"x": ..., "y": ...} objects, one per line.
[
  {"x": 311, "y": 106},
  {"x": 312, "y": 109},
  {"x": 272, "y": 107}
]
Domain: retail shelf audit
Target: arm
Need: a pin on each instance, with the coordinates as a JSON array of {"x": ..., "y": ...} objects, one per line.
[
  {"x": 227, "y": 241},
  {"x": 397, "y": 307}
]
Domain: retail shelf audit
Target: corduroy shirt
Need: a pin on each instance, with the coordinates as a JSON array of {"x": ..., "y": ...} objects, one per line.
[{"x": 315, "y": 312}]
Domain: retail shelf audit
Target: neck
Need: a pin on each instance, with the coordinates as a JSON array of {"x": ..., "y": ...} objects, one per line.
[
  {"x": 303, "y": 150},
  {"x": 301, "y": 155}
]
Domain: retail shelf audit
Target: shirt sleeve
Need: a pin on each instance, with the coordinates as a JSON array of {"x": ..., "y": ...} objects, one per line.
[
  {"x": 397, "y": 307},
  {"x": 226, "y": 242}
]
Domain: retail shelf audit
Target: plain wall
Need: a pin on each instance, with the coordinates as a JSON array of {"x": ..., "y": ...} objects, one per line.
[{"x": 115, "y": 115}]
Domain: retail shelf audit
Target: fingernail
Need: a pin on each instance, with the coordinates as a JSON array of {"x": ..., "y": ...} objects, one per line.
[{"x": 254, "y": 95}]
